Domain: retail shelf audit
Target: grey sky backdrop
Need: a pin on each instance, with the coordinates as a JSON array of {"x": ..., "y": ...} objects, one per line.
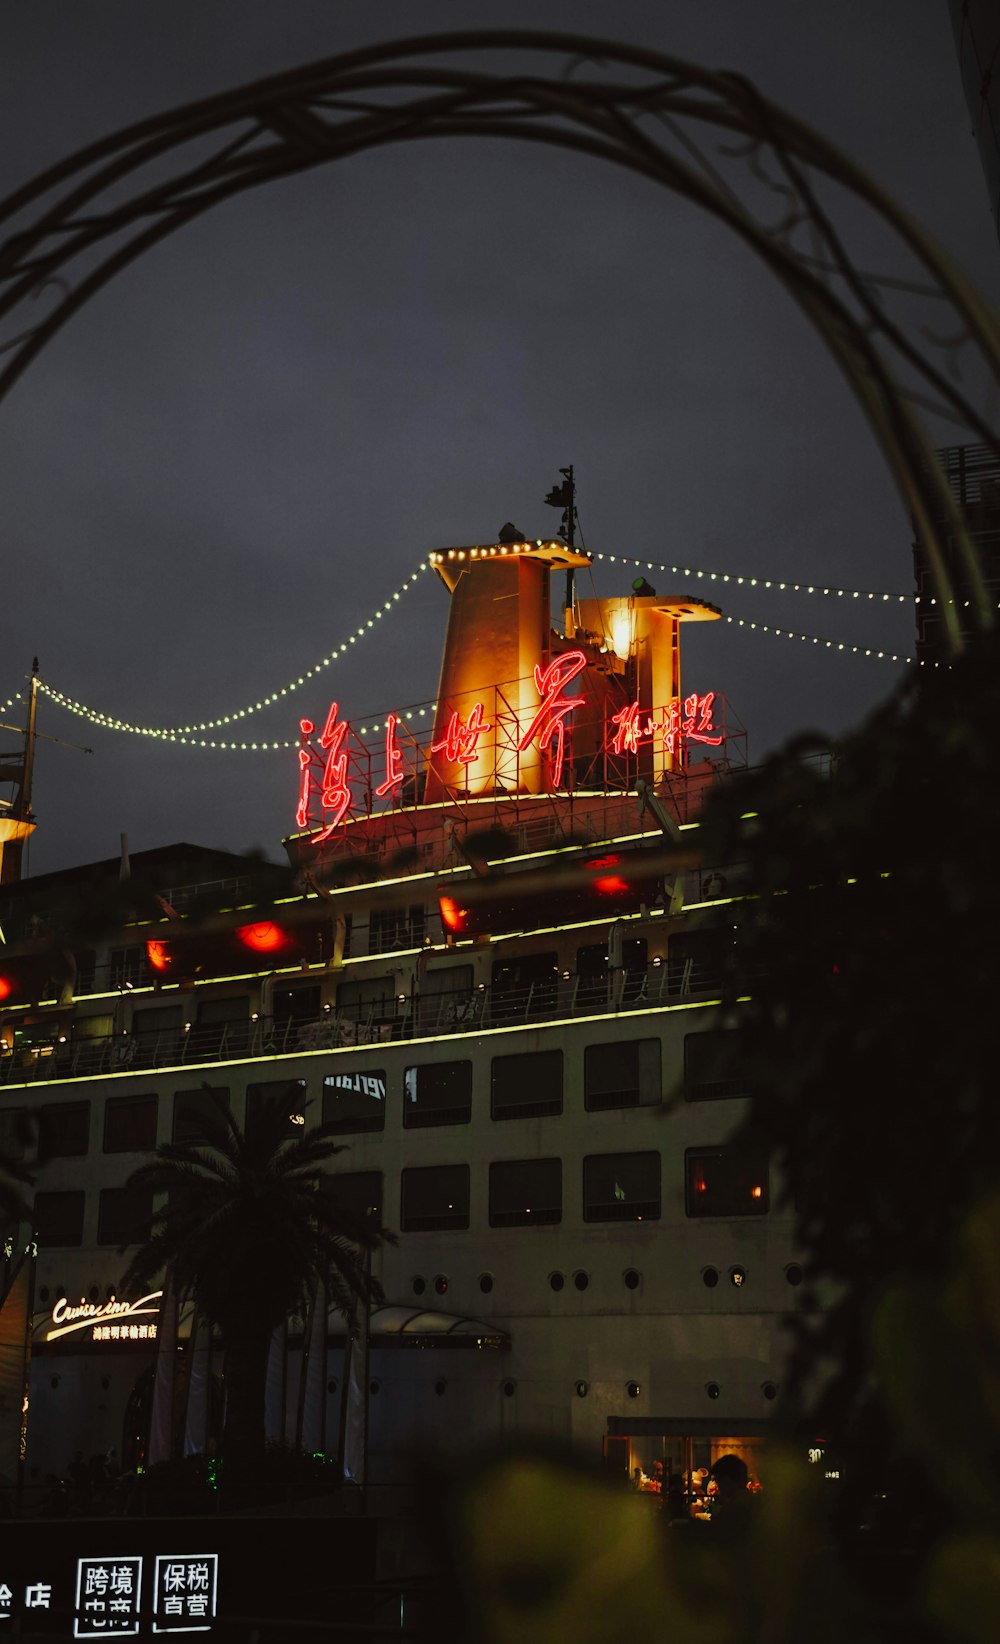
[{"x": 255, "y": 433}]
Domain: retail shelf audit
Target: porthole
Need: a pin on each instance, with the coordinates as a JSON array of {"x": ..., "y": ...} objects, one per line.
[
  {"x": 439, "y": 1386},
  {"x": 331, "y": 1386},
  {"x": 105, "y": 1383},
  {"x": 375, "y": 1386},
  {"x": 631, "y": 1278},
  {"x": 43, "y": 1294},
  {"x": 486, "y": 1283},
  {"x": 581, "y": 1280},
  {"x": 556, "y": 1281},
  {"x": 713, "y": 1389},
  {"x": 582, "y": 1389},
  {"x": 61, "y": 1293},
  {"x": 794, "y": 1273},
  {"x": 737, "y": 1277},
  {"x": 509, "y": 1388},
  {"x": 418, "y": 1284},
  {"x": 632, "y": 1389},
  {"x": 94, "y": 1292},
  {"x": 441, "y": 1284},
  {"x": 110, "y": 1292},
  {"x": 54, "y": 1382},
  {"x": 710, "y": 1277},
  {"x": 769, "y": 1390}
]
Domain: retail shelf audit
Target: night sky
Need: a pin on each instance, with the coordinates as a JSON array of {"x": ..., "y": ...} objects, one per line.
[{"x": 255, "y": 434}]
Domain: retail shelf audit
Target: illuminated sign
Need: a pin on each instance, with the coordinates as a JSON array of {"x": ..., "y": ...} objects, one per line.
[
  {"x": 184, "y": 1592},
  {"x": 108, "y": 1591},
  {"x": 109, "y": 1321},
  {"x": 328, "y": 767}
]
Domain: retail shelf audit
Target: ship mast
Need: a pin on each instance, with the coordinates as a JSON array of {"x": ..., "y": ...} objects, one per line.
[{"x": 564, "y": 497}]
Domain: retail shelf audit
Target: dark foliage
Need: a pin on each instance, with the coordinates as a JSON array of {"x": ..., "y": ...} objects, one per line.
[{"x": 868, "y": 949}]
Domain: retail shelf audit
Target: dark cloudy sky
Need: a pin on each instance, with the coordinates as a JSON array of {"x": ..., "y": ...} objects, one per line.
[{"x": 253, "y": 435}]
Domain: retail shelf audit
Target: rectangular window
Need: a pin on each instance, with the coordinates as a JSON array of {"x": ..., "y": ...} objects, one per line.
[
  {"x": 158, "y": 1035},
  {"x": 64, "y": 1130},
  {"x": 354, "y": 1100},
  {"x": 437, "y": 1093},
  {"x": 127, "y": 965},
  {"x": 712, "y": 1065},
  {"x": 726, "y": 1181},
  {"x": 524, "y": 987},
  {"x": 622, "y": 1074},
  {"x": 526, "y": 1193},
  {"x": 129, "y": 1124},
  {"x": 59, "y": 1219},
  {"x": 299, "y": 1002},
  {"x": 357, "y": 1192},
  {"x": 434, "y": 1199},
  {"x": 695, "y": 961},
  {"x": 124, "y": 1215},
  {"x": 289, "y": 1094},
  {"x": 621, "y": 1187},
  {"x": 447, "y": 997},
  {"x": 190, "y": 1105},
  {"x": 371, "y": 999},
  {"x": 222, "y": 1028},
  {"x": 390, "y": 930},
  {"x": 527, "y": 1086}
]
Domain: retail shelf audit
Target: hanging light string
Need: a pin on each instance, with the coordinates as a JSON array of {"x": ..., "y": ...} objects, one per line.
[
  {"x": 190, "y": 735},
  {"x": 815, "y": 639},
  {"x": 771, "y": 583},
  {"x": 11, "y": 702},
  {"x": 187, "y": 733}
]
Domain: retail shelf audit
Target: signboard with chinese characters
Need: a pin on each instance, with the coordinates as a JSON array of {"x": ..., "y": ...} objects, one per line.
[
  {"x": 341, "y": 776},
  {"x": 184, "y": 1592},
  {"x": 108, "y": 1595},
  {"x": 112, "y": 1320}
]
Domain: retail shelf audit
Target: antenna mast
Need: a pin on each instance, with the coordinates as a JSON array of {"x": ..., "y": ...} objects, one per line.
[{"x": 564, "y": 497}]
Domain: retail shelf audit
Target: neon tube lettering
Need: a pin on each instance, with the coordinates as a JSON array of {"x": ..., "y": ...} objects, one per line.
[
  {"x": 549, "y": 721},
  {"x": 461, "y": 736},
  {"x": 336, "y": 795},
  {"x": 393, "y": 759}
]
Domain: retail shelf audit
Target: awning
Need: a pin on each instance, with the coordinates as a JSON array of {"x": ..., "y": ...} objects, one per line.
[{"x": 408, "y": 1326}]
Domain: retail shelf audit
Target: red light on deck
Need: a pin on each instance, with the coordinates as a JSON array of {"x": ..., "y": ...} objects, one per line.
[
  {"x": 5, "y": 988},
  {"x": 611, "y": 885},
  {"x": 158, "y": 956},
  {"x": 756, "y": 1193},
  {"x": 265, "y": 937},
  {"x": 452, "y": 916}
]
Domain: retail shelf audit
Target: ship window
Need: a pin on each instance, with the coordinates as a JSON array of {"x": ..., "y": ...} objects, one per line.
[
  {"x": 446, "y": 997},
  {"x": 297, "y": 1003},
  {"x": 437, "y": 1093},
  {"x": 392, "y": 929},
  {"x": 357, "y": 1192},
  {"x": 525, "y": 1192},
  {"x": 190, "y": 1106},
  {"x": 370, "y": 999},
  {"x": 290, "y": 1093},
  {"x": 527, "y": 1086},
  {"x": 124, "y": 1215},
  {"x": 712, "y": 1065},
  {"x": 695, "y": 961},
  {"x": 621, "y": 1187},
  {"x": 622, "y": 1074},
  {"x": 127, "y": 965},
  {"x": 354, "y": 1100},
  {"x": 594, "y": 972},
  {"x": 525, "y": 986},
  {"x": 158, "y": 1034},
  {"x": 726, "y": 1181},
  {"x": 434, "y": 1198},
  {"x": 58, "y": 1219},
  {"x": 129, "y": 1124},
  {"x": 64, "y": 1130}
]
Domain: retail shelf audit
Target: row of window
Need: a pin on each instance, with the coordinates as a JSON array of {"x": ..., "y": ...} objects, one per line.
[
  {"x": 527, "y": 1085},
  {"x": 616, "y": 1187}
]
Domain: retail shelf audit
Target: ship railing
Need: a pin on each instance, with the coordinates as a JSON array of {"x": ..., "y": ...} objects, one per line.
[{"x": 409, "y": 1017}]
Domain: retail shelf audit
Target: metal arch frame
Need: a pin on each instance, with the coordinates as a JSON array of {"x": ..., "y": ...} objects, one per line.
[{"x": 77, "y": 239}]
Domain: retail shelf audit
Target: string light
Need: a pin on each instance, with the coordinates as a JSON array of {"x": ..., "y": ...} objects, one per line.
[
  {"x": 188, "y": 733},
  {"x": 773, "y": 583},
  {"x": 814, "y": 639}
]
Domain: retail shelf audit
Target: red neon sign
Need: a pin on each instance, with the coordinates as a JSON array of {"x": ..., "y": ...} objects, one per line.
[
  {"x": 393, "y": 759},
  {"x": 306, "y": 727},
  {"x": 462, "y": 735},
  {"x": 335, "y": 795},
  {"x": 691, "y": 721},
  {"x": 549, "y": 721}
]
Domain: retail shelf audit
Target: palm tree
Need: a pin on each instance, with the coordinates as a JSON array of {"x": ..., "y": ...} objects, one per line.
[{"x": 247, "y": 1232}]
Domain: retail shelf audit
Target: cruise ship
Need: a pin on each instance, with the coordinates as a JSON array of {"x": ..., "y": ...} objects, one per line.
[{"x": 494, "y": 961}]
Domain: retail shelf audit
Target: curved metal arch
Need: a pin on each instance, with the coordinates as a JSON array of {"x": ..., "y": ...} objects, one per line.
[{"x": 75, "y": 226}]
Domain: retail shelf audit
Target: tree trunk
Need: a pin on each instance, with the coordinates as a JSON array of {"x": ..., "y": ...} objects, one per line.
[{"x": 244, "y": 1374}]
